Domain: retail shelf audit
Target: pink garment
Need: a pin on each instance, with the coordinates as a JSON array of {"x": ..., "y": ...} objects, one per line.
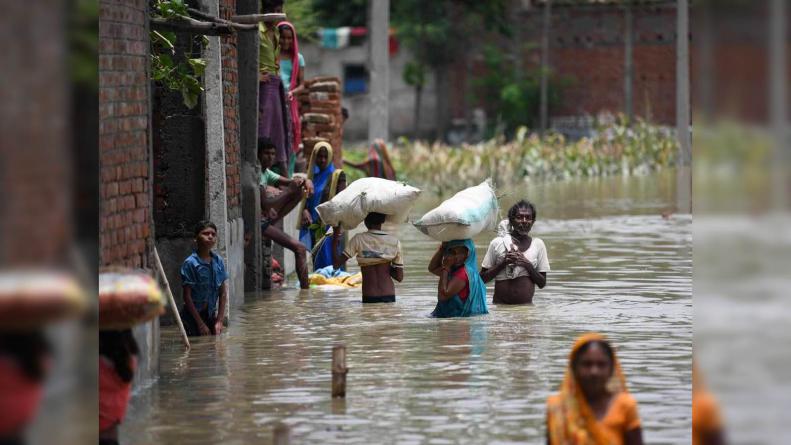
[
  {"x": 19, "y": 397},
  {"x": 113, "y": 394},
  {"x": 293, "y": 104}
]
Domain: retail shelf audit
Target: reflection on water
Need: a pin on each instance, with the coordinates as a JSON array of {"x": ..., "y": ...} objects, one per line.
[{"x": 622, "y": 270}]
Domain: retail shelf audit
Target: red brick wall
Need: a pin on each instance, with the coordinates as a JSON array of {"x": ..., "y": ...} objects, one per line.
[
  {"x": 587, "y": 56},
  {"x": 35, "y": 168},
  {"x": 587, "y": 46},
  {"x": 125, "y": 209},
  {"x": 230, "y": 81}
]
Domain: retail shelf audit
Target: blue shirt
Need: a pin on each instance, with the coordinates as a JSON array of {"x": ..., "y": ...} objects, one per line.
[
  {"x": 286, "y": 69},
  {"x": 205, "y": 279}
]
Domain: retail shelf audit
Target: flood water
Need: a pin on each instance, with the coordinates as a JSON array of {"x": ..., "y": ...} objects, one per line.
[{"x": 618, "y": 268}]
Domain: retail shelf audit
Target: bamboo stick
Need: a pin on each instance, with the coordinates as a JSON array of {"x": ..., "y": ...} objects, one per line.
[
  {"x": 171, "y": 300},
  {"x": 281, "y": 435},
  {"x": 339, "y": 371}
]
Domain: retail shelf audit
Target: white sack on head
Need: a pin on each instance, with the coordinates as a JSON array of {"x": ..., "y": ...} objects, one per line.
[
  {"x": 363, "y": 196},
  {"x": 466, "y": 214}
]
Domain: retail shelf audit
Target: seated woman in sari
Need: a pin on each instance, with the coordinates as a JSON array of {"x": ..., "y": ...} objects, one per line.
[
  {"x": 593, "y": 406},
  {"x": 461, "y": 292},
  {"x": 320, "y": 171},
  {"x": 332, "y": 240},
  {"x": 378, "y": 164}
]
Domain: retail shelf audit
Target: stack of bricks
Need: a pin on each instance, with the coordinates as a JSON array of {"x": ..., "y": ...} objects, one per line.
[{"x": 320, "y": 108}]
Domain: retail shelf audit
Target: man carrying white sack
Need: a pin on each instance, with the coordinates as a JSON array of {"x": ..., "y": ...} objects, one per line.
[
  {"x": 379, "y": 256},
  {"x": 517, "y": 261}
]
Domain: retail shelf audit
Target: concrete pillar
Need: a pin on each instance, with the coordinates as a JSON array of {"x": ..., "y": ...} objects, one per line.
[
  {"x": 216, "y": 201},
  {"x": 778, "y": 94},
  {"x": 544, "y": 113},
  {"x": 628, "y": 60},
  {"x": 216, "y": 205},
  {"x": 378, "y": 26},
  {"x": 682, "y": 83},
  {"x": 247, "y": 51},
  {"x": 684, "y": 171}
]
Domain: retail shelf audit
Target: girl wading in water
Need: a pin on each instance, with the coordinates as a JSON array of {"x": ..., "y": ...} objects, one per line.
[
  {"x": 461, "y": 292},
  {"x": 593, "y": 406}
]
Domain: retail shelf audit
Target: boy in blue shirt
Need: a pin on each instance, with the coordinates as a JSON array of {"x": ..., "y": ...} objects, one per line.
[{"x": 204, "y": 282}]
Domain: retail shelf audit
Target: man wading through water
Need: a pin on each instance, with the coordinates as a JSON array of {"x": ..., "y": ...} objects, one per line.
[
  {"x": 379, "y": 257},
  {"x": 517, "y": 261}
]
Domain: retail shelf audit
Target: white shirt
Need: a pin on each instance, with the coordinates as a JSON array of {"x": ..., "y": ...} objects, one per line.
[{"x": 499, "y": 247}]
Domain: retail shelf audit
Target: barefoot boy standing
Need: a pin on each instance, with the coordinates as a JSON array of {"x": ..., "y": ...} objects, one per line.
[{"x": 205, "y": 282}]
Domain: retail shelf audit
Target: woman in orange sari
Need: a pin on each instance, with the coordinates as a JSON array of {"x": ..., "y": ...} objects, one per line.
[{"x": 593, "y": 406}]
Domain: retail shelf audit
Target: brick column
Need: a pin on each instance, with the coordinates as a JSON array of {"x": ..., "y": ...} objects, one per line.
[{"x": 125, "y": 219}]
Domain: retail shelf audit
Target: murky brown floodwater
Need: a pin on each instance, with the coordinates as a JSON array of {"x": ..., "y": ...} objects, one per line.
[{"x": 617, "y": 267}]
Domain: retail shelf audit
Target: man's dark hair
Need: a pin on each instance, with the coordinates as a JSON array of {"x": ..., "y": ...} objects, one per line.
[
  {"x": 268, "y": 5},
  {"x": 203, "y": 224},
  {"x": 264, "y": 143},
  {"x": 522, "y": 204},
  {"x": 345, "y": 113},
  {"x": 375, "y": 219},
  {"x": 27, "y": 349}
]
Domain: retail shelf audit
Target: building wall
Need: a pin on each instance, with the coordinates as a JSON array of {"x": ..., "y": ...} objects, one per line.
[
  {"x": 126, "y": 220},
  {"x": 587, "y": 52},
  {"x": 35, "y": 167},
  {"x": 587, "y": 61},
  {"x": 321, "y": 61},
  {"x": 124, "y": 155}
]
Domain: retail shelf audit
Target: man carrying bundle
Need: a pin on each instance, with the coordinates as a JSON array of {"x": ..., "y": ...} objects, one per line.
[{"x": 379, "y": 256}]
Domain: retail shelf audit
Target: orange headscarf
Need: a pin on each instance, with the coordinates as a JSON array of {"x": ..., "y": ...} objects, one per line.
[
  {"x": 705, "y": 409},
  {"x": 571, "y": 421}
]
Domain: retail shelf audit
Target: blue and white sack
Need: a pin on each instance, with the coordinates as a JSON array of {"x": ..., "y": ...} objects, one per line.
[{"x": 468, "y": 213}]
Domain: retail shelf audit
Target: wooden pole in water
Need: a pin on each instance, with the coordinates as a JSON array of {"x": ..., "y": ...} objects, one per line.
[
  {"x": 339, "y": 371},
  {"x": 282, "y": 434},
  {"x": 171, "y": 300}
]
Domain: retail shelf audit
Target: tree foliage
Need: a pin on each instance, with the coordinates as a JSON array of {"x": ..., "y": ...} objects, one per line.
[
  {"x": 304, "y": 17},
  {"x": 173, "y": 68},
  {"x": 516, "y": 96},
  {"x": 334, "y": 14}
]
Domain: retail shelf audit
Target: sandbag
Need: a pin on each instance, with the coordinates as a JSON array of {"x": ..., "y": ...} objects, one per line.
[
  {"x": 363, "y": 196},
  {"x": 32, "y": 299},
  {"x": 466, "y": 214},
  {"x": 128, "y": 298}
]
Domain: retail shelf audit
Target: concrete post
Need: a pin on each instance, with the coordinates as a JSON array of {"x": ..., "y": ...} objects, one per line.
[
  {"x": 682, "y": 83},
  {"x": 778, "y": 94},
  {"x": 247, "y": 52},
  {"x": 683, "y": 165},
  {"x": 544, "y": 118},
  {"x": 216, "y": 202},
  {"x": 379, "y": 69},
  {"x": 628, "y": 60}
]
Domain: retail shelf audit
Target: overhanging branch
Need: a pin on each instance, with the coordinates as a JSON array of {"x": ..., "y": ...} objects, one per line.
[
  {"x": 237, "y": 26},
  {"x": 187, "y": 24}
]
